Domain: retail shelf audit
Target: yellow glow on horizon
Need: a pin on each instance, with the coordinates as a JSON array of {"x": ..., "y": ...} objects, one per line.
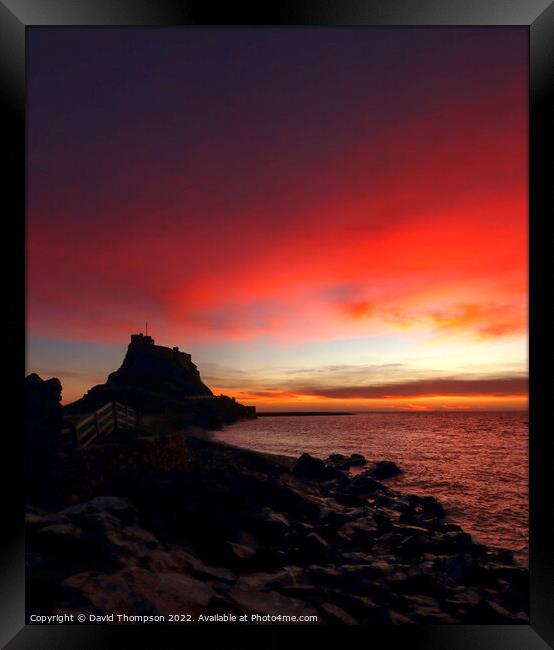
[{"x": 417, "y": 403}]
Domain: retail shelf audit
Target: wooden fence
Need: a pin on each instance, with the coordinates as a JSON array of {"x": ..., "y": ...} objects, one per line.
[{"x": 103, "y": 422}]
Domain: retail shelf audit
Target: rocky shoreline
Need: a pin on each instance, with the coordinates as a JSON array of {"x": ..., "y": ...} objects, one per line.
[{"x": 153, "y": 525}]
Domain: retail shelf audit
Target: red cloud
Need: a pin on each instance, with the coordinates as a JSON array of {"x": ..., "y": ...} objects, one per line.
[{"x": 241, "y": 237}]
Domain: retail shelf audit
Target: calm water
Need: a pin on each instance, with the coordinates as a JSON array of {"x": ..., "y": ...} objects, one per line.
[{"x": 474, "y": 463}]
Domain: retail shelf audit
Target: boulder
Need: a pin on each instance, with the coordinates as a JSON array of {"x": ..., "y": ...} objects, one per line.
[
  {"x": 269, "y": 603},
  {"x": 446, "y": 544},
  {"x": 489, "y": 612},
  {"x": 426, "y": 505},
  {"x": 316, "y": 544},
  {"x": 384, "y": 469},
  {"x": 200, "y": 570},
  {"x": 60, "y": 537},
  {"x": 336, "y": 460},
  {"x": 312, "y": 468},
  {"x": 135, "y": 590},
  {"x": 242, "y": 551},
  {"x": 269, "y": 526},
  {"x": 286, "y": 577},
  {"x": 364, "y": 485},
  {"x": 357, "y": 460},
  {"x": 334, "y": 614},
  {"x": 43, "y": 426},
  {"x": 342, "y": 462},
  {"x": 363, "y": 608},
  {"x": 312, "y": 547},
  {"x": 35, "y": 520},
  {"x": 116, "y": 506},
  {"x": 459, "y": 568}
]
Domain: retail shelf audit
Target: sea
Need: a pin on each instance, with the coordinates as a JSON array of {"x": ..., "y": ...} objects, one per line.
[{"x": 474, "y": 463}]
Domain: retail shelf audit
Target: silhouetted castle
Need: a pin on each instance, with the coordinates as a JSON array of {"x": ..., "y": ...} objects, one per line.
[
  {"x": 155, "y": 379},
  {"x": 155, "y": 367}
]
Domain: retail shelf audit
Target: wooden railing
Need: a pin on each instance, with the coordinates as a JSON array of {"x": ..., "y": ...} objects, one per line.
[{"x": 103, "y": 422}]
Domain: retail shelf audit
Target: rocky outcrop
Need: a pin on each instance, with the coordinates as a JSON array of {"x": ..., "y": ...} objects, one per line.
[
  {"x": 212, "y": 529},
  {"x": 157, "y": 368},
  {"x": 43, "y": 424},
  {"x": 385, "y": 469},
  {"x": 309, "y": 467},
  {"x": 44, "y": 412},
  {"x": 340, "y": 461}
]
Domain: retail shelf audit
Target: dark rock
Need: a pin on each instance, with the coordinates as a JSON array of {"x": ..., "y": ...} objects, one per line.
[
  {"x": 200, "y": 570},
  {"x": 427, "y": 610},
  {"x": 384, "y": 501},
  {"x": 400, "y": 618},
  {"x": 269, "y": 603},
  {"x": 364, "y": 484},
  {"x": 325, "y": 575},
  {"x": 420, "y": 583},
  {"x": 489, "y": 612},
  {"x": 516, "y": 576},
  {"x": 241, "y": 551},
  {"x": 342, "y": 462},
  {"x": 357, "y": 460},
  {"x": 504, "y": 556},
  {"x": 452, "y": 542},
  {"x": 336, "y": 459},
  {"x": 283, "y": 578},
  {"x": 43, "y": 409},
  {"x": 269, "y": 526},
  {"x": 361, "y": 532},
  {"x": 412, "y": 546},
  {"x": 333, "y": 518},
  {"x": 460, "y": 568},
  {"x": 460, "y": 599},
  {"x": 334, "y": 614},
  {"x": 312, "y": 468},
  {"x": 427, "y": 505},
  {"x": 135, "y": 590},
  {"x": 361, "y": 574},
  {"x": 383, "y": 522},
  {"x": 314, "y": 546},
  {"x": 384, "y": 469},
  {"x": 43, "y": 427},
  {"x": 355, "y": 557},
  {"x": 115, "y": 506},
  {"x": 60, "y": 536},
  {"x": 363, "y": 608},
  {"x": 36, "y": 520}
]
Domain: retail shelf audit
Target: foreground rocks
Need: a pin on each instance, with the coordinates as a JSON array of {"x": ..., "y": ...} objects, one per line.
[{"x": 219, "y": 530}]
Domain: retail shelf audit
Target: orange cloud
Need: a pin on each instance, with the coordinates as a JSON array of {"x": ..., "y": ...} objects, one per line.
[{"x": 437, "y": 387}]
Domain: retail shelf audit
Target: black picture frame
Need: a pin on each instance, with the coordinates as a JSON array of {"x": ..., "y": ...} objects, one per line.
[{"x": 16, "y": 18}]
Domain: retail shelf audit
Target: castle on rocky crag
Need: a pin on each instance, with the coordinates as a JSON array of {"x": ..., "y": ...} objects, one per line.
[
  {"x": 154, "y": 379},
  {"x": 154, "y": 367}
]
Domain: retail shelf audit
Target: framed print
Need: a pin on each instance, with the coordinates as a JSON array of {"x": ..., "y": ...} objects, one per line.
[{"x": 280, "y": 322}]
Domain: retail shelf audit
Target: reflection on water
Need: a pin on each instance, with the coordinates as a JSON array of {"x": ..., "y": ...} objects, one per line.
[{"x": 474, "y": 463}]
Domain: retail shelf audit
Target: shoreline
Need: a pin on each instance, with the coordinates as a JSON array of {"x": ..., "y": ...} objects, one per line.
[
  {"x": 498, "y": 519},
  {"x": 192, "y": 523}
]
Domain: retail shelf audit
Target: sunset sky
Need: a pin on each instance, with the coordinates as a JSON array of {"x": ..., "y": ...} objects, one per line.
[{"x": 330, "y": 219}]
